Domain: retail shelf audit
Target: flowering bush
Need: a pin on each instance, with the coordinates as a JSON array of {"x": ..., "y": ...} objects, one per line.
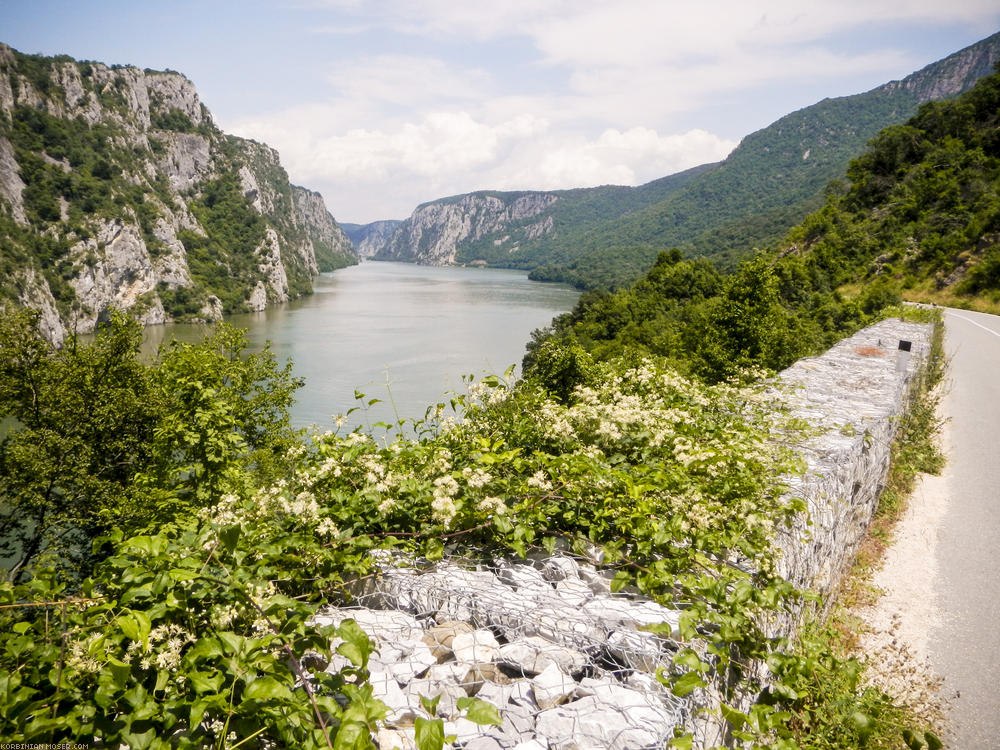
[{"x": 200, "y": 635}]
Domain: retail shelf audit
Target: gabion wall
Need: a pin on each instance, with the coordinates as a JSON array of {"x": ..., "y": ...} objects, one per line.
[{"x": 560, "y": 656}]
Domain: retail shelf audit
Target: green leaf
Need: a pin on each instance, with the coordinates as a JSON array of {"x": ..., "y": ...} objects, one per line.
[
  {"x": 129, "y": 627},
  {"x": 353, "y": 735},
  {"x": 429, "y": 733},
  {"x": 433, "y": 550},
  {"x": 230, "y": 536},
  {"x": 480, "y": 711},
  {"x": 686, "y": 683},
  {"x": 266, "y": 689},
  {"x": 687, "y": 657},
  {"x": 684, "y": 742},
  {"x": 430, "y": 704},
  {"x": 357, "y": 646},
  {"x": 205, "y": 682},
  {"x": 912, "y": 741},
  {"x": 735, "y": 718},
  {"x": 863, "y": 724},
  {"x": 933, "y": 743}
]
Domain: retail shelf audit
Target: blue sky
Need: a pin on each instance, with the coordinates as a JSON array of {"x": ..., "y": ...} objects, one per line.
[{"x": 384, "y": 104}]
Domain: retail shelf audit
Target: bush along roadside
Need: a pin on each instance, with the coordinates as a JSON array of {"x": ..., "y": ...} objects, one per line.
[{"x": 197, "y": 632}]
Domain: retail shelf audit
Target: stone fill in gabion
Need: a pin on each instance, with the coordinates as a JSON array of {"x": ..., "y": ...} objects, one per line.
[
  {"x": 854, "y": 393},
  {"x": 547, "y": 643}
]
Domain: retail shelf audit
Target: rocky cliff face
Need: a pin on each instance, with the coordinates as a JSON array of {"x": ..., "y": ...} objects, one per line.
[
  {"x": 333, "y": 249},
  {"x": 369, "y": 239},
  {"x": 436, "y": 231},
  {"x": 118, "y": 191},
  {"x": 951, "y": 76}
]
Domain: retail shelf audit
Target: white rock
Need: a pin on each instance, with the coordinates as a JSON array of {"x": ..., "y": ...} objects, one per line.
[
  {"x": 450, "y": 694},
  {"x": 592, "y": 724},
  {"x": 463, "y": 729},
  {"x": 415, "y": 659},
  {"x": 463, "y": 675},
  {"x": 403, "y": 738},
  {"x": 552, "y": 686},
  {"x": 523, "y": 576},
  {"x": 478, "y": 646},
  {"x": 615, "y": 612},
  {"x": 530, "y": 745},
  {"x": 638, "y": 650},
  {"x": 574, "y": 591},
  {"x": 533, "y": 654},
  {"x": 389, "y": 625},
  {"x": 598, "y": 580},
  {"x": 386, "y": 689},
  {"x": 483, "y": 742},
  {"x": 559, "y": 568}
]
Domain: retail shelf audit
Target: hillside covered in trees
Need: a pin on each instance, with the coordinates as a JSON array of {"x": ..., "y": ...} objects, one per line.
[
  {"x": 607, "y": 237},
  {"x": 117, "y": 190},
  {"x": 919, "y": 217}
]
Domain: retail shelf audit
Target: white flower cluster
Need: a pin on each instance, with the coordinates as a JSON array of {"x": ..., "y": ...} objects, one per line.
[
  {"x": 538, "y": 480},
  {"x": 476, "y": 477},
  {"x": 443, "y": 508}
]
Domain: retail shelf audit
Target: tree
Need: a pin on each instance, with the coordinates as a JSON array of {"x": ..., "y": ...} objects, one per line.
[{"x": 97, "y": 440}]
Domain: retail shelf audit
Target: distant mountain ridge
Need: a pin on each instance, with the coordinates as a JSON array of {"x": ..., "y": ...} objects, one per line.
[
  {"x": 369, "y": 238},
  {"x": 118, "y": 190},
  {"x": 607, "y": 237}
]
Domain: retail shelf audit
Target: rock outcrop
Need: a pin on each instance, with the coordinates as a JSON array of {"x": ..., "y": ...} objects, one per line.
[
  {"x": 435, "y": 231},
  {"x": 331, "y": 245},
  {"x": 117, "y": 190},
  {"x": 369, "y": 239}
]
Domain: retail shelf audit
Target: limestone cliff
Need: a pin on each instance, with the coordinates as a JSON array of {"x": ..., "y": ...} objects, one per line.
[
  {"x": 333, "y": 248},
  {"x": 117, "y": 190},
  {"x": 369, "y": 239},
  {"x": 435, "y": 232}
]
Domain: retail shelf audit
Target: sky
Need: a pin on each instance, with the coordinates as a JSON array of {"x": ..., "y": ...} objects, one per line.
[{"x": 385, "y": 104}]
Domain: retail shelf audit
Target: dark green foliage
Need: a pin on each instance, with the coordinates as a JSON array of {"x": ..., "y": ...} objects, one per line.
[
  {"x": 103, "y": 441},
  {"x": 559, "y": 368},
  {"x": 171, "y": 119},
  {"x": 224, "y": 262},
  {"x": 923, "y": 202},
  {"x": 765, "y": 314}
]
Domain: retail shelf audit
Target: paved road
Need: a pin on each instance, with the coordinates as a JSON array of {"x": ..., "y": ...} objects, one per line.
[{"x": 965, "y": 645}]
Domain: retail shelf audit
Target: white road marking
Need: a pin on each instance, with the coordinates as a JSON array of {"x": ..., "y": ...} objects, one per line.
[{"x": 970, "y": 320}]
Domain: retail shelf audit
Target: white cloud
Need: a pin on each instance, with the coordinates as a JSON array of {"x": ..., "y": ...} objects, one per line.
[
  {"x": 414, "y": 120},
  {"x": 406, "y": 80},
  {"x": 450, "y": 152}
]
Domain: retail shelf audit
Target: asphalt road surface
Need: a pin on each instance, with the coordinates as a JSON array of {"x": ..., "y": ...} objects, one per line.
[{"x": 965, "y": 645}]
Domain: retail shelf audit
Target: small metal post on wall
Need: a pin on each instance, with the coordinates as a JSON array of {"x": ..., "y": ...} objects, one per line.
[{"x": 903, "y": 355}]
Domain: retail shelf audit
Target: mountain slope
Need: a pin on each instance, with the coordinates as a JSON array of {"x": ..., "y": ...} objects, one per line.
[
  {"x": 920, "y": 216},
  {"x": 369, "y": 238},
  {"x": 607, "y": 237},
  {"x": 117, "y": 190},
  {"x": 772, "y": 179},
  {"x": 497, "y": 227}
]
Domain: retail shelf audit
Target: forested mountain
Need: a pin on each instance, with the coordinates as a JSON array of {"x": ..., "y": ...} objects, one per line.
[
  {"x": 606, "y": 237},
  {"x": 918, "y": 218},
  {"x": 117, "y": 190},
  {"x": 770, "y": 181},
  {"x": 496, "y": 227}
]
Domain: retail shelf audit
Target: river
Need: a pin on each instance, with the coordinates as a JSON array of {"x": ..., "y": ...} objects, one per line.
[{"x": 398, "y": 332}]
